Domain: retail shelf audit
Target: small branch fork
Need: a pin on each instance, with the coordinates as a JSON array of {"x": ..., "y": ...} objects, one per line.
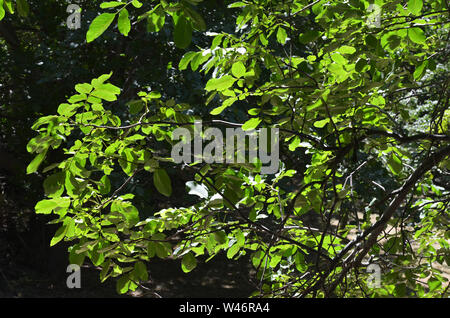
[{"x": 360, "y": 246}]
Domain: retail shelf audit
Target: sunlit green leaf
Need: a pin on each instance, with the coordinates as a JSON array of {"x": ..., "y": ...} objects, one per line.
[
  {"x": 99, "y": 25},
  {"x": 188, "y": 263},
  {"x": 415, "y": 6},
  {"x": 124, "y": 23},
  {"x": 417, "y": 35},
  {"x": 221, "y": 83},
  {"x": 251, "y": 123}
]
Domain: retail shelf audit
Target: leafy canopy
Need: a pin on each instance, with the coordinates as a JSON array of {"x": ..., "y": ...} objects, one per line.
[{"x": 355, "y": 156}]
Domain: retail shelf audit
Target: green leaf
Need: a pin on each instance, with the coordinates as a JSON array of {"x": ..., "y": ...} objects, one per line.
[
  {"x": 99, "y": 25},
  {"x": 240, "y": 237},
  {"x": 140, "y": 271},
  {"x": 238, "y": 69},
  {"x": 156, "y": 20},
  {"x": 105, "y": 185},
  {"x": 23, "y": 8},
  {"x": 220, "y": 84},
  {"x": 161, "y": 252},
  {"x": 2, "y": 11},
  {"x": 135, "y": 106},
  {"x": 346, "y": 49},
  {"x": 372, "y": 41},
  {"x": 417, "y": 35},
  {"x": 184, "y": 62},
  {"x": 123, "y": 284},
  {"x": 182, "y": 33},
  {"x": 415, "y": 6},
  {"x": 84, "y": 88},
  {"x": 107, "y": 92},
  {"x": 151, "y": 249},
  {"x": 162, "y": 182},
  {"x": 154, "y": 95},
  {"x": 129, "y": 211},
  {"x": 67, "y": 110},
  {"x": 74, "y": 257},
  {"x": 281, "y": 35},
  {"x": 77, "y": 98},
  {"x": 199, "y": 22},
  {"x": 47, "y": 206},
  {"x": 9, "y": 6},
  {"x": 233, "y": 250},
  {"x": 96, "y": 255},
  {"x": 321, "y": 123},
  {"x": 400, "y": 290},
  {"x": 70, "y": 223},
  {"x": 251, "y": 123},
  {"x": 308, "y": 36},
  {"x": 34, "y": 165},
  {"x": 136, "y": 4},
  {"x": 111, "y": 4},
  {"x": 228, "y": 102},
  {"x": 105, "y": 269},
  {"x": 338, "y": 58},
  {"x": 394, "y": 163},
  {"x": 43, "y": 120},
  {"x": 188, "y": 263},
  {"x": 294, "y": 144},
  {"x": 40, "y": 143},
  {"x": 218, "y": 110},
  {"x": 54, "y": 185},
  {"x": 97, "y": 82},
  {"x": 420, "y": 70},
  {"x": 59, "y": 235},
  {"x": 237, "y": 4},
  {"x": 360, "y": 65},
  {"x": 257, "y": 258},
  {"x": 434, "y": 284},
  {"x": 123, "y": 22}
]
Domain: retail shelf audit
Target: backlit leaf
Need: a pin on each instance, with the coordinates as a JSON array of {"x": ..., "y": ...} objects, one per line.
[
  {"x": 123, "y": 22},
  {"x": 99, "y": 25},
  {"x": 188, "y": 263}
]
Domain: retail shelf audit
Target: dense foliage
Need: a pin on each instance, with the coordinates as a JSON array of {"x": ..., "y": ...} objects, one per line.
[{"x": 359, "y": 92}]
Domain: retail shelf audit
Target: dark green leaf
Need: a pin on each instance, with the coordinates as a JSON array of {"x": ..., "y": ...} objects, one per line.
[
  {"x": 162, "y": 182},
  {"x": 23, "y": 8},
  {"x": 182, "y": 33},
  {"x": 308, "y": 36}
]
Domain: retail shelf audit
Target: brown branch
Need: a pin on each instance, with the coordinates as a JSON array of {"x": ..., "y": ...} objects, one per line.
[{"x": 375, "y": 230}]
